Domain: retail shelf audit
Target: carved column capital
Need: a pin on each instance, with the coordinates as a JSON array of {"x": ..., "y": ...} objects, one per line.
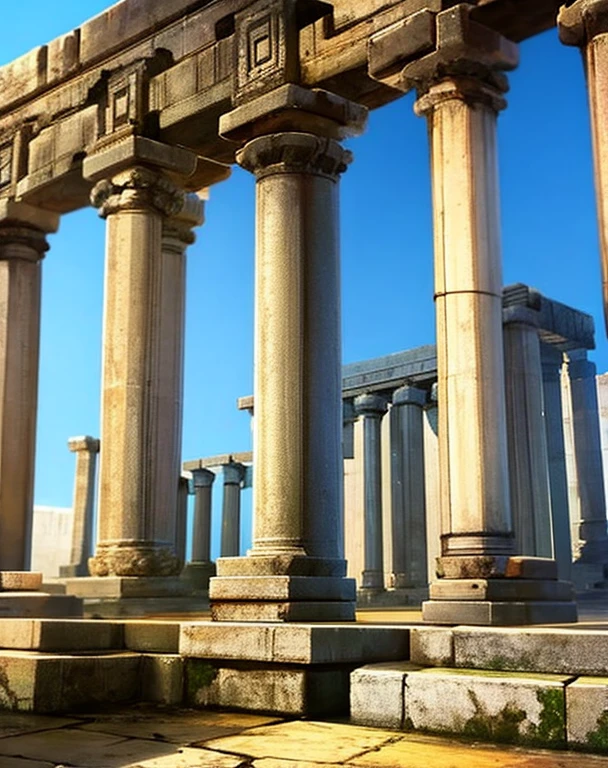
[
  {"x": 408, "y": 395},
  {"x": 581, "y": 21},
  {"x": 202, "y": 478},
  {"x": 370, "y": 405},
  {"x": 293, "y": 152},
  {"x": 135, "y": 189}
]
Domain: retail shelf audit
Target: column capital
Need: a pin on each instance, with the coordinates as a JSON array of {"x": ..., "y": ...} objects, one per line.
[
  {"x": 579, "y": 22},
  {"x": 85, "y": 443},
  {"x": 349, "y": 414},
  {"x": 191, "y": 215},
  {"x": 519, "y": 315},
  {"x": 294, "y": 153},
  {"x": 234, "y": 473},
  {"x": 19, "y": 214},
  {"x": 202, "y": 478},
  {"x": 409, "y": 395},
  {"x": 370, "y": 405},
  {"x": 135, "y": 189},
  {"x": 23, "y": 230}
]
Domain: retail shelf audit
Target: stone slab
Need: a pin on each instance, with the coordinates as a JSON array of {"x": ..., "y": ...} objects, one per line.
[
  {"x": 563, "y": 651},
  {"x": 587, "y": 714},
  {"x": 20, "y": 581},
  {"x": 487, "y": 613},
  {"x": 285, "y": 690},
  {"x": 295, "y": 644},
  {"x": 280, "y": 565},
  {"x": 17, "y": 762},
  {"x": 162, "y": 678},
  {"x": 494, "y": 566},
  {"x": 287, "y": 611},
  {"x": 52, "y": 635},
  {"x": 377, "y": 694},
  {"x": 501, "y": 590},
  {"x": 111, "y": 608},
  {"x": 127, "y": 586},
  {"x": 488, "y": 706},
  {"x": 192, "y": 758},
  {"x": 39, "y": 605},
  {"x": 279, "y": 588},
  {"x": 432, "y": 646},
  {"x": 152, "y": 636},
  {"x": 17, "y": 723}
]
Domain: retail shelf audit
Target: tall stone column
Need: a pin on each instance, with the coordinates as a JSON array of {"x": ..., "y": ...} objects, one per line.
[
  {"x": 371, "y": 409},
  {"x": 296, "y": 557},
  {"x": 584, "y": 23},
  {"x": 200, "y": 568},
  {"x": 86, "y": 450},
  {"x": 431, "y": 480},
  {"x": 461, "y": 90},
  {"x": 408, "y": 511},
  {"x": 23, "y": 231},
  {"x": 181, "y": 518},
  {"x": 592, "y": 544},
  {"x": 148, "y": 227},
  {"x": 527, "y": 445},
  {"x": 231, "y": 509},
  {"x": 552, "y": 360}
]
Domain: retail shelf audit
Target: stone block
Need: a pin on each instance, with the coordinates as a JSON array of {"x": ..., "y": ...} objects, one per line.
[
  {"x": 110, "y": 608},
  {"x": 279, "y": 588},
  {"x": 286, "y": 690},
  {"x": 283, "y": 611},
  {"x": 56, "y": 635},
  {"x": 20, "y": 581},
  {"x": 197, "y": 575},
  {"x": 38, "y": 605},
  {"x": 138, "y": 150},
  {"x": 127, "y": 586},
  {"x": 432, "y": 646},
  {"x": 564, "y": 651},
  {"x": 495, "y": 567},
  {"x": 587, "y": 713},
  {"x": 280, "y": 565},
  {"x": 489, "y": 613},
  {"x": 294, "y": 644},
  {"x": 488, "y": 706},
  {"x": 377, "y": 694},
  {"x": 162, "y": 678},
  {"x": 152, "y": 636},
  {"x": 501, "y": 590}
]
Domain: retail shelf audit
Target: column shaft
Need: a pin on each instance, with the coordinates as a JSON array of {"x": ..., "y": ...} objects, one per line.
[
  {"x": 201, "y": 534},
  {"x": 231, "y": 510},
  {"x": 181, "y": 519}
]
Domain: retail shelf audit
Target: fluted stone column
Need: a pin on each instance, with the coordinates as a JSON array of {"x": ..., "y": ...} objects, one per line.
[
  {"x": 23, "y": 231},
  {"x": 461, "y": 90},
  {"x": 181, "y": 518},
  {"x": 148, "y": 227},
  {"x": 592, "y": 544},
  {"x": 371, "y": 409},
  {"x": 200, "y": 568},
  {"x": 86, "y": 450},
  {"x": 584, "y": 23},
  {"x": 408, "y": 511},
  {"x": 431, "y": 479},
  {"x": 528, "y": 461},
  {"x": 233, "y": 474},
  {"x": 552, "y": 360},
  {"x": 296, "y": 557}
]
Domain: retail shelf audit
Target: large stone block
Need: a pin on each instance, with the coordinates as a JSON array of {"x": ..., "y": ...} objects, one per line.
[
  {"x": 127, "y": 586},
  {"x": 486, "y": 612},
  {"x": 377, "y": 694},
  {"x": 587, "y": 713},
  {"x": 55, "y": 635},
  {"x": 20, "y": 581},
  {"x": 495, "y": 567},
  {"x": 278, "y": 588},
  {"x": 488, "y": 706},
  {"x": 162, "y": 678},
  {"x": 39, "y": 605},
  {"x": 432, "y": 646},
  {"x": 283, "y": 611},
  {"x": 501, "y": 590},
  {"x": 152, "y": 636}
]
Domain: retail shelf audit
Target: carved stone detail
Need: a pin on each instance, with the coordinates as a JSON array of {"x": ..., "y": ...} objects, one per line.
[
  {"x": 25, "y": 243},
  {"x": 137, "y": 188},
  {"x": 129, "y": 559},
  {"x": 294, "y": 153}
]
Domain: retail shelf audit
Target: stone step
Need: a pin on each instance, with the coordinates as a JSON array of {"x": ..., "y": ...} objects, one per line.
[{"x": 554, "y": 711}]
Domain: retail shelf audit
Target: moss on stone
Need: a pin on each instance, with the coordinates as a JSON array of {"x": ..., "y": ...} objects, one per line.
[
  {"x": 551, "y": 728},
  {"x": 200, "y": 674},
  {"x": 502, "y": 727},
  {"x": 598, "y": 738}
]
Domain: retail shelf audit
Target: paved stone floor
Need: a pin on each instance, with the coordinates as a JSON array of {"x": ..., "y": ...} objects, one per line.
[{"x": 148, "y": 737}]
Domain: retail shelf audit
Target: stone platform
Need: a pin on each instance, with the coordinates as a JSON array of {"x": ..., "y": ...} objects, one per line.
[{"x": 22, "y": 594}]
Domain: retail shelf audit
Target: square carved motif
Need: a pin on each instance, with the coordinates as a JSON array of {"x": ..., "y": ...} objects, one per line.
[
  {"x": 260, "y": 43},
  {"x": 121, "y": 107}
]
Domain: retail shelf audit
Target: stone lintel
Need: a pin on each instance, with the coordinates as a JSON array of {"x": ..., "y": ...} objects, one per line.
[
  {"x": 579, "y": 22},
  {"x": 501, "y": 589},
  {"x": 86, "y": 443},
  {"x": 496, "y": 567},
  {"x": 521, "y": 316},
  {"x": 487, "y": 612},
  {"x": 244, "y": 457},
  {"x": 20, "y": 581},
  {"x": 239, "y": 588},
  {"x": 293, "y": 108},
  {"x": 19, "y": 213},
  {"x": 137, "y": 150},
  {"x": 284, "y": 611},
  {"x": 294, "y": 643},
  {"x": 127, "y": 586},
  {"x": 280, "y": 565}
]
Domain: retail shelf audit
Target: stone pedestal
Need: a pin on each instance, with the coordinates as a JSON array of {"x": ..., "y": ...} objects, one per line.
[
  {"x": 86, "y": 450},
  {"x": 233, "y": 475},
  {"x": 295, "y": 570},
  {"x": 200, "y": 569}
]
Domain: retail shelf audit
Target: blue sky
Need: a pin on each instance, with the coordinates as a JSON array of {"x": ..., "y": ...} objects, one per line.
[{"x": 549, "y": 241}]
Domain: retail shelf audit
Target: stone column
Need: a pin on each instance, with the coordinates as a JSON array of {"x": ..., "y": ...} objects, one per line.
[
  {"x": 231, "y": 509},
  {"x": 408, "y": 511},
  {"x": 23, "y": 230},
  {"x": 584, "y": 23},
  {"x": 298, "y": 467},
  {"x": 527, "y": 445},
  {"x": 461, "y": 90},
  {"x": 181, "y": 518},
  {"x": 200, "y": 568},
  {"x": 148, "y": 225},
  {"x": 83, "y": 505},
  {"x": 592, "y": 544},
  {"x": 371, "y": 409},
  {"x": 431, "y": 480}
]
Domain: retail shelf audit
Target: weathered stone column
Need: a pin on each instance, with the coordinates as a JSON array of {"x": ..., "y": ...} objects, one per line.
[
  {"x": 408, "y": 511},
  {"x": 200, "y": 568},
  {"x": 592, "y": 544},
  {"x": 298, "y": 466},
  {"x": 584, "y": 23},
  {"x": 143, "y": 353},
  {"x": 552, "y": 360},
  {"x": 231, "y": 509},
  {"x": 528, "y": 461},
  {"x": 431, "y": 479},
  {"x": 461, "y": 90},
  {"x": 181, "y": 518},
  {"x": 86, "y": 450},
  {"x": 23, "y": 231},
  {"x": 371, "y": 409}
]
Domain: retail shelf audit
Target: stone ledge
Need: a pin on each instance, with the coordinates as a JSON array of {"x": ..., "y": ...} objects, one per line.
[
  {"x": 55, "y": 635},
  {"x": 127, "y": 586},
  {"x": 276, "y": 588},
  {"x": 20, "y": 581},
  {"x": 502, "y": 590},
  {"x": 488, "y": 613},
  {"x": 38, "y": 605},
  {"x": 284, "y": 611}
]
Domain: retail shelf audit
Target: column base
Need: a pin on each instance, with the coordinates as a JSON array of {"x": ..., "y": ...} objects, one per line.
[
  {"x": 134, "y": 558},
  {"x": 198, "y": 574}
]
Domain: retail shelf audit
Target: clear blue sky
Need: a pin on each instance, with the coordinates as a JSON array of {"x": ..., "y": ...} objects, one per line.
[{"x": 549, "y": 236}]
